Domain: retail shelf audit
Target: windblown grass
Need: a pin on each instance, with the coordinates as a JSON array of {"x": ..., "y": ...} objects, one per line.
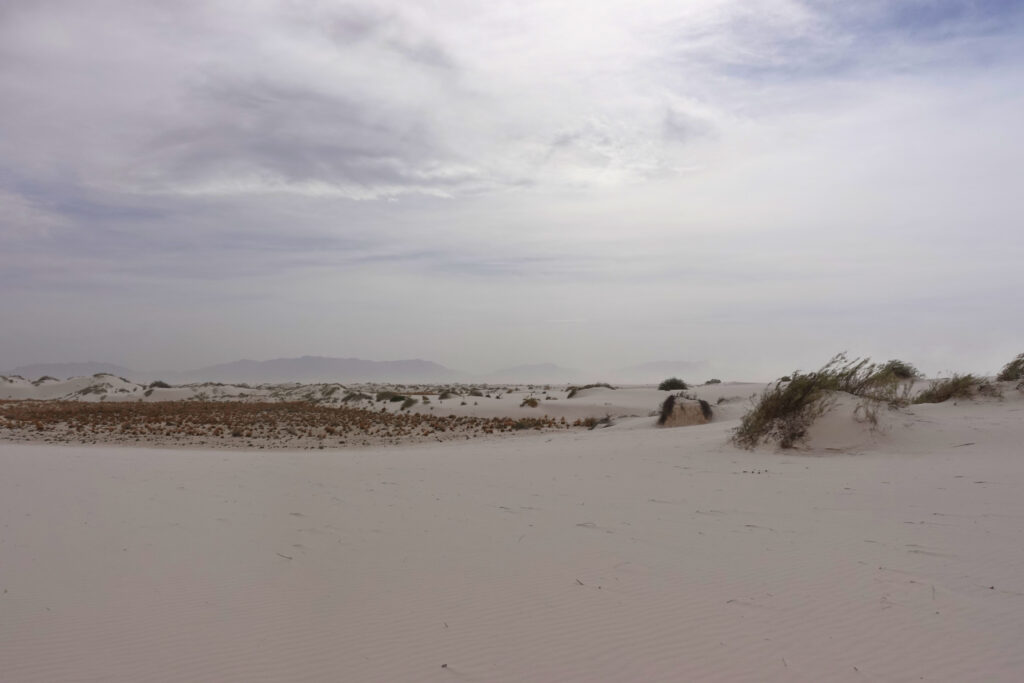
[
  {"x": 957, "y": 386},
  {"x": 1012, "y": 371},
  {"x": 785, "y": 410}
]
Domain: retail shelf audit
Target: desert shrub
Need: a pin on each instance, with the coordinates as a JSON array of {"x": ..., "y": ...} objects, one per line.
[
  {"x": 860, "y": 377},
  {"x": 475, "y": 392},
  {"x": 666, "y": 409},
  {"x": 705, "y": 408},
  {"x": 785, "y": 410},
  {"x": 713, "y": 381},
  {"x": 890, "y": 382},
  {"x": 1014, "y": 370},
  {"x": 669, "y": 404},
  {"x": 672, "y": 384},
  {"x": 900, "y": 370},
  {"x": 594, "y": 422},
  {"x": 355, "y": 396},
  {"x": 159, "y": 385},
  {"x": 530, "y": 402},
  {"x": 409, "y": 403},
  {"x": 575, "y": 390},
  {"x": 957, "y": 386},
  {"x": 445, "y": 394},
  {"x": 44, "y": 378},
  {"x": 389, "y": 396},
  {"x": 989, "y": 389}
]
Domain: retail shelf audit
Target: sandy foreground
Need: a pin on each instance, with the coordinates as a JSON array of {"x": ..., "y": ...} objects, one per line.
[{"x": 623, "y": 554}]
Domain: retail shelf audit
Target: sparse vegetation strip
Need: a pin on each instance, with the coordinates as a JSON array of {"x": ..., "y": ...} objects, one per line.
[{"x": 242, "y": 424}]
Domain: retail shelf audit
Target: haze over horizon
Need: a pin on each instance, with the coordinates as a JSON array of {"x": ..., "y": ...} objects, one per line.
[{"x": 597, "y": 185}]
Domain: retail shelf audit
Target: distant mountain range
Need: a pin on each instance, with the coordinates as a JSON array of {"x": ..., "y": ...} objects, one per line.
[
  {"x": 321, "y": 369},
  {"x": 326, "y": 369}
]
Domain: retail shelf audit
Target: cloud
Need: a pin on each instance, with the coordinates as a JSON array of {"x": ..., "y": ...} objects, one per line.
[{"x": 597, "y": 162}]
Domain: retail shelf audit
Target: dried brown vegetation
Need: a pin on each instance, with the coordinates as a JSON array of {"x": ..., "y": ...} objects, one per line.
[{"x": 241, "y": 424}]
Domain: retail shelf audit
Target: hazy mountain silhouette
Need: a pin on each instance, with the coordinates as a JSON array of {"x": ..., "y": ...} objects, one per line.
[{"x": 321, "y": 369}]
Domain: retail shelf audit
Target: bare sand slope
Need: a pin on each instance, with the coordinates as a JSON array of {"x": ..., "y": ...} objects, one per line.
[{"x": 623, "y": 554}]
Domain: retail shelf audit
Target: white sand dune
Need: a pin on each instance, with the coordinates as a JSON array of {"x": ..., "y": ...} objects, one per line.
[
  {"x": 504, "y": 401},
  {"x": 624, "y": 554}
]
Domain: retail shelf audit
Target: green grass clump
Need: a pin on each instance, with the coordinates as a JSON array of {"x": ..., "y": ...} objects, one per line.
[
  {"x": 900, "y": 369},
  {"x": 785, "y": 410},
  {"x": 957, "y": 386},
  {"x": 666, "y": 409},
  {"x": 1014, "y": 370},
  {"x": 890, "y": 382},
  {"x": 673, "y": 384}
]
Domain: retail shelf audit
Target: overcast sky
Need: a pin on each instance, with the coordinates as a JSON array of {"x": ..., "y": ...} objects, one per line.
[{"x": 755, "y": 184}]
